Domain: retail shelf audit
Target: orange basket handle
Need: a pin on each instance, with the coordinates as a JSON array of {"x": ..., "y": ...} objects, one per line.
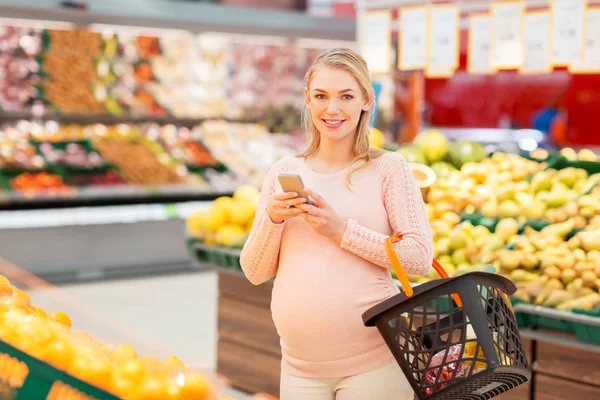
[{"x": 401, "y": 275}]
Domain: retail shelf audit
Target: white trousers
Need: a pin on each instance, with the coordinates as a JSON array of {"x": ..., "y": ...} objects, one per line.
[{"x": 387, "y": 383}]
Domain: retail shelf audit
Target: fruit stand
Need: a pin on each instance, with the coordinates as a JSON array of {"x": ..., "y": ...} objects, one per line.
[
  {"x": 534, "y": 217},
  {"x": 43, "y": 356}
]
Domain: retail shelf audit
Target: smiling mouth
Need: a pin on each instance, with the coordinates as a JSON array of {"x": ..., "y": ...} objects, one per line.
[{"x": 333, "y": 122}]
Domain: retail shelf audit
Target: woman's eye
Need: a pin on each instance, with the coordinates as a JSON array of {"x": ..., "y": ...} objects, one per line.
[
  {"x": 320, "y": 96},
  {"x": 347, "y": 97}
]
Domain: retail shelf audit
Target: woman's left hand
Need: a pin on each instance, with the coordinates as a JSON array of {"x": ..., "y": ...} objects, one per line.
[{"x": 322, "y": 217}]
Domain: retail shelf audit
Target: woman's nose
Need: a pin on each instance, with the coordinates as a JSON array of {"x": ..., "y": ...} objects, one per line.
[{"x": 333, "y": 107}]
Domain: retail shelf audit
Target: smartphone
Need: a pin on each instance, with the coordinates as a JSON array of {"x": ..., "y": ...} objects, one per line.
[{"x": 292, "y": 183}]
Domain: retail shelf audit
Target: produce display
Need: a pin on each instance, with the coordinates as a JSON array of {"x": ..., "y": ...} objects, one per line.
[
  {"x": 214, "y": 156},
  {"x": 229, "y": 220},
  {"x": 554, "y": 270},
  {"x": 250, "y": 151},
  {"x": 116, "y": 369}
]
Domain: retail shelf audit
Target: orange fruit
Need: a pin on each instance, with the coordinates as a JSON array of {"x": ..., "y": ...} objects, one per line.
[
  {"x": 122, "y": 387},
  {"x": 154, "y": 366},
  {"x": 6, "y": 288},
  {"x": 13, "y": 318},
  {"x": 61, "y": 318},
  {"x": 174, "y": 366},
  {"x": 196, "y": 387},
  {"x": 38, "y": 312},
  {"x": 122, "y": 353},
  {"x": 133, "y": 370},
  {"x": 152, "y": 389},
  {"x": 22, "y": 296},
  {"x": 8, "y": 334},
  {"x": 100, "y": 372},
  {"x": 79, "y": 366},
  {"x": 174, "y": 391},
  {"x": 14, "y": 303},
  {"x": 59, "y": 353}
]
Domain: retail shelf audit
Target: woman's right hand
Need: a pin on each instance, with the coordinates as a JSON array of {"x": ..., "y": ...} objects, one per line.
[{"x": 281, "y": 206}]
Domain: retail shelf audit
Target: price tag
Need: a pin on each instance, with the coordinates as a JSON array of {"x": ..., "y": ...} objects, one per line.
[
  {"x": 591, "y": 54},
  {"x": 480, "y": 43},
  {"x": 507, "y": 34},
  {"x": 376, "y": 41},
  {"x": 444, "y": 40},
  {"x": 536, "y": 31},
  {"x": 568, "y": 28},
  {"x": 413, "y": 38}
]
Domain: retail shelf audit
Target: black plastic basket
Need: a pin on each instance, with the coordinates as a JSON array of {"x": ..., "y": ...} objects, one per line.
[{"x": 471, "y": 350}]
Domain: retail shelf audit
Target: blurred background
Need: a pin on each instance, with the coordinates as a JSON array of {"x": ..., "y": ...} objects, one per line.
[{"x": 135, "y": 136}]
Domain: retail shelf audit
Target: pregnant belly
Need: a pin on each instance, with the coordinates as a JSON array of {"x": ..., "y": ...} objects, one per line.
[{"x": 320, "y": 322}]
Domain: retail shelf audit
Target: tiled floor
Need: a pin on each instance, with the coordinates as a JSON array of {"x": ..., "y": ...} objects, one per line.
[{"x": 159, "y": 316}]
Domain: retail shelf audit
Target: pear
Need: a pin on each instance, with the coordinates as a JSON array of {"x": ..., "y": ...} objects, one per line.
[
  {"x": 585, "y": 303},
  {"x": 459, "y": 256},
  {"x": 552, "y": 272},
  {"x": 574, "y": 242},
  {"x": 567, "y": 176},
  {"x": 590, "y": 240},
  {"x": 506, "y": 228},
  {"x": 490, "y": 209},
  {"x": 589, "y": 278},
  {"x": 505, "y": 192},
  {"x": 579, "y": 254},
  {"x": 559, "y": 230},
  {"x": 556, "y": 297},
  {"x": 442, "y": 247},
  {"x": 508, "y": 209},
  {"x": 556, "y": 198},
  {"x": 586, "y": 155},
  {"x": 458, "y": 240},
  {"x": 575, "y": 285},
  {"x": 529, "y": 261},
  {"x": 509, "y": 260},
  {"x": 541, "y": 181},
  {"x": 593, "y": 255},
  {"x": 568, "y": 275},
  {"x": 539, "y": 153},
  {"x": 568, "y": 153}
]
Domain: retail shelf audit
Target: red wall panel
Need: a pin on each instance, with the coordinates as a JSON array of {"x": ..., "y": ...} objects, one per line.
[{"x": 481, "y": 101}]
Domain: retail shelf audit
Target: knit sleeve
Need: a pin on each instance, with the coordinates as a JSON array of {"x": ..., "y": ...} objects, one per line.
[
  {"x": 407, "y": 216},
  {"x": 260, "y": 255}
]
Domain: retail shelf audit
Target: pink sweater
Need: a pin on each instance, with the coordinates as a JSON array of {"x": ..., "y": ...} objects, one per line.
[{"x": 322, "y": 288}]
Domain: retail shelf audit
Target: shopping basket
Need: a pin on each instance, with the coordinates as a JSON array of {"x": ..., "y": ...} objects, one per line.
[{"x": 470, "y": 350}]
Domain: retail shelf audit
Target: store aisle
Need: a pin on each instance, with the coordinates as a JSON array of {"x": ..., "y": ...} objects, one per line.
[{"x": 159, "y": 316}]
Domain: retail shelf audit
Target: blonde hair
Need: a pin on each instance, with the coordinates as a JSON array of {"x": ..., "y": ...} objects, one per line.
[{"x": 349, "y": 61}]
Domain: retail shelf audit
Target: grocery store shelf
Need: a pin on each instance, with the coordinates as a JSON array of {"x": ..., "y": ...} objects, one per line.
[
  {"x": 556, "y": 314},
  {"x": 194, "y": 17},
  {"x": 560, "y": 340},
  {"x": 100, "y": 196},
  {"x": 107, "y": 119}
]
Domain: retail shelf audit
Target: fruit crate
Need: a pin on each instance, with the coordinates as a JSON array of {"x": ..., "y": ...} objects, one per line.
[
  {"x": 587, "y": 332},
  {"x": 226, "y": 257},
  {"x": 550, "y": 160},
  {"x": 490, "y": 223},
  {"x": 591, "y": 167},
  {"x": 584, "y": 324},
  {"x": 532, "y": 316},
  {"x": 23, "y": 377}
]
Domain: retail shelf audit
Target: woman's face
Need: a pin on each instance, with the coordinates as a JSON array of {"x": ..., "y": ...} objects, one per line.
[{"x": 335, "y": 102}]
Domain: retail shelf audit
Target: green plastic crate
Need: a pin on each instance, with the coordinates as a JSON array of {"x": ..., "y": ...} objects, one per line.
[
  {"x": 525, "y": 320},
  {"x": 23, "y": 377},
  {"x": 588, "y": 333}
]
